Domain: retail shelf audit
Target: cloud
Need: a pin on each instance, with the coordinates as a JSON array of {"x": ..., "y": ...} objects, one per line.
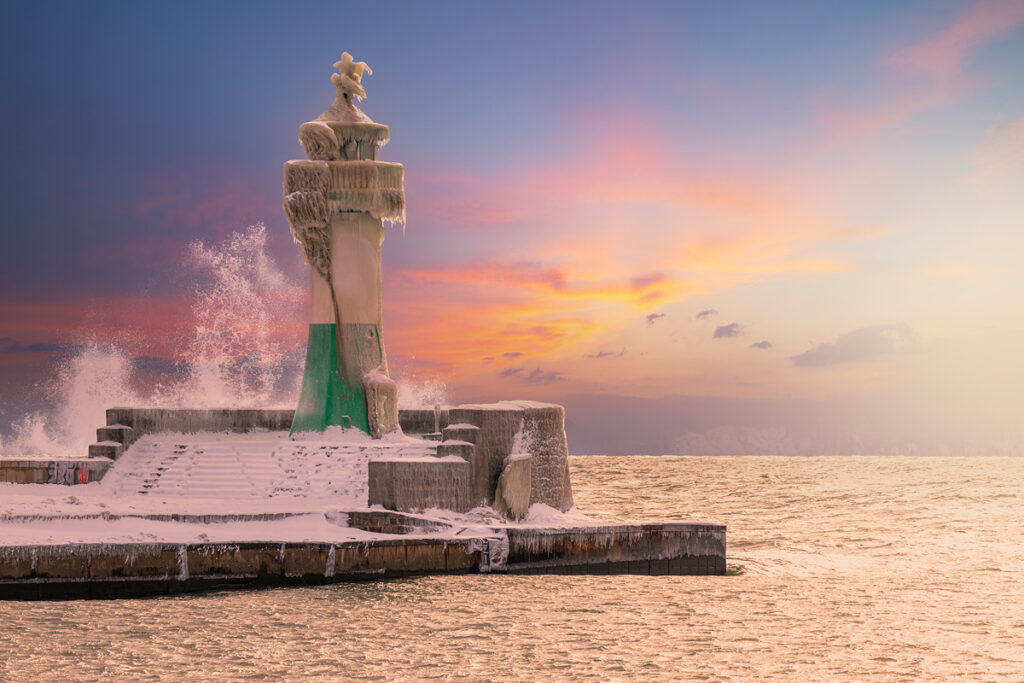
[
  {"x": 606, "y": 354},
  {"x": 531, "y": 307},
  {"x": 727, "y": 331},
  {"x": 859, "y": 346},
  {"x": 488, "y": 359},
  {"x": 653, "y": 317},
  {"x": 160, "y": 365},
  {"x": 999, "y": 157},
  {"x": 538, "y": 376},
  {"x": 17, "y": 347},
  {"x": 645, "y": 281},
  {"x": 512, "y": 354},
  {"x": 921, "y": 75},
  {"x": 763, "y": 345},
  {"x": 217, "y": 196},
  {"x": 706, "y": 313},
  {"x": 601, "y": 241},
  {"x": 944, "y": 54},
  {"x": 410, "y": 366},
  {"x": 509, "y": 372}
]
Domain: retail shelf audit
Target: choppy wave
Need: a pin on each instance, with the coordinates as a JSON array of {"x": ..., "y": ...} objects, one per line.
[
  {"x": 231, "y": 357},
  {"x": 841, "y": 568}
]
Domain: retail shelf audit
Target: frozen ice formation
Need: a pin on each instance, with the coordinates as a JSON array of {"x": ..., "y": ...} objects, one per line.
[{"x": 336, "y": 202}]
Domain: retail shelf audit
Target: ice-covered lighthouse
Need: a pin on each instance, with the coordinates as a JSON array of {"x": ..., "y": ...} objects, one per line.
[{"x": 337, "y": 202}]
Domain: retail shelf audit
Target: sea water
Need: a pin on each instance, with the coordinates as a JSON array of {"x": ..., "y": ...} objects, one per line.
[{"x": 840, "y": 568}]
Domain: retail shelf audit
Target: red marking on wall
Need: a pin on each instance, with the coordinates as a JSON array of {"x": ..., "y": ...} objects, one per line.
[{"x": 83, "y": 476}]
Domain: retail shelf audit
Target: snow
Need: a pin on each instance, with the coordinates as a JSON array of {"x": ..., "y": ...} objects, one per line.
[
  {"x": 308, "y": 527},
  {"x": 259, "y": 486},
  {"x": 541, "y": 515}
]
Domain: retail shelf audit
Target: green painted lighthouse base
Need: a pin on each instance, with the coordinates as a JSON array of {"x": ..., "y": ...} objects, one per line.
[{"x": 326, "y": 399}]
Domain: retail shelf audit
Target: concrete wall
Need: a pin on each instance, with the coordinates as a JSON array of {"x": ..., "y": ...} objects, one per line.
[
  {"x": 52, "y": 471},
  {"x": 150, "y": 420},
  {"x": 125, "y": 569},
  {"x": 84, "y": 570},
  {"x": 412, "y": 484},
  {"x": 672, "y": 547},
  {"x": 421, "y": 421},
  {"x": 528, "y": 427}
]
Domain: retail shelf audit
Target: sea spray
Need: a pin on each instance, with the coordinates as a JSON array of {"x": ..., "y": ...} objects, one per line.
[
  {"x": 94, "y": 378},
  {"x": 232, "y": 358},
  {"x": 423, "y": 394},
  {"x": 242, "y": 307}
]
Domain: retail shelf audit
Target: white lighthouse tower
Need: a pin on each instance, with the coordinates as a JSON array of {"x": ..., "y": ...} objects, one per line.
[{"x": 337, "y": 202}]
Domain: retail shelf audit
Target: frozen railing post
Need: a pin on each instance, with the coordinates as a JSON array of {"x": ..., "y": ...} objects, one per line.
[{"x": 336, "y": 203}]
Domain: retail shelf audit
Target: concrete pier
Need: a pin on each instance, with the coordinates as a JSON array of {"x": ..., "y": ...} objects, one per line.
[{"x": 418, "y": 547}]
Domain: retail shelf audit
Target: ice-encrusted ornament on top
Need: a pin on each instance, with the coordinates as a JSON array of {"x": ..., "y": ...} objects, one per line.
[
  {"x": 341, "y": 133},
  {"x": 336, "y": 203}
]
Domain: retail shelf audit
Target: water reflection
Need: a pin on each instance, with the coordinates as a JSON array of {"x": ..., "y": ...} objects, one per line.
[{"x": 849, "y": 569}]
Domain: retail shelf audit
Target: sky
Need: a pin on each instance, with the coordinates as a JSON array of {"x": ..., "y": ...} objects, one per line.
[{"x": 703, "y": 227}]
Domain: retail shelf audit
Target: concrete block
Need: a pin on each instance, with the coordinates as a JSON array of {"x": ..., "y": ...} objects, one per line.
[
  {"x": 151, "y": 420},
  {"x": 350, "y": 559},
  {"x": 234, "y": 559},
  {"x": 133, "y": 562},
  {"x": 117, "y": 433},
  {"x": 461, "y": 432},
  {"x": 422, "y": 421},
  {"x": 389, "y": 557},
  {"x": 380, "y": 522},
  {"x": 305, "y": 560},
  {"x": 523, "y": 426},
  {"x": 15, "y": 564},
  {"x": 423, "y": 557},
  {"x": 459, "y": 556},
  {"x": 512, "y": 496},
  {"x": 60, "y": 562},
  {"x": 79, "y": 471},
  {"x": 460, "y": 449},
  {"x": 412, "y": 484},
  {"x": 106, "y": 449}
]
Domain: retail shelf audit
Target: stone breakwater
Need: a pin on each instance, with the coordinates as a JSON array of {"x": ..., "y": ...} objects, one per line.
[
  {"x": 418, "y": 547},
  {"x": 198, "y": 500}
]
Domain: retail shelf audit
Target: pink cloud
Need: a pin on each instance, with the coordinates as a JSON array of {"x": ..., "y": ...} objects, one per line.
[
  {"x": 885, "y": 110},
  {"x": 220, "y": 199},
  {"x": 943, "y": 55},
  {"x": 919, "y": 76},
  {"x": 641, "y": 169}
]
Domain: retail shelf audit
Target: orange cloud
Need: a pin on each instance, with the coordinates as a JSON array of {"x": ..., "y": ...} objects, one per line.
[
  {"x": 604, "y": 235},
  {"x": 511, "y": 306}
]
